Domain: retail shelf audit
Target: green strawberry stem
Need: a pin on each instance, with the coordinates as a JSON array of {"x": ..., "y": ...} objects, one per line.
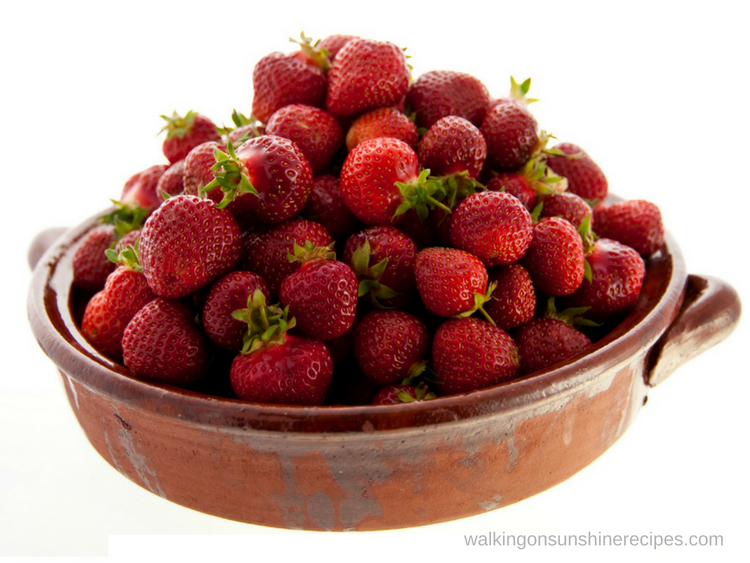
[
  {"x": 574, "y": 316},
  {"x": 177, "y": 125},
  {"x": 230, "y": 175},
  {"x": 266, "y": 325},
  {"x": 129, "y": 256},
  {"x": 310, "y": 253},
  {"x": 369, "y": 276},
  {"x": 125, "y": 218},
  {"x": 421, "y": 391},
  {"x": 318, "y": 55},
  {"x": 519, "y": 91},
  {"x": 480, "y": 300},
  {"x": 423, "y": 194}
]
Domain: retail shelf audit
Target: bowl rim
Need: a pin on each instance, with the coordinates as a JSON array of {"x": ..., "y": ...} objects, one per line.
[{"x": 58, "y": 335}]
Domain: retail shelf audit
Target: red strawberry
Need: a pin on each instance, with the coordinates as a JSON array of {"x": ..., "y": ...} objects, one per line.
[
  {"x": 635, "y": 223},
  {"x": 513, "y": 301},
  {"x": 568, "y": 206},
  {"x": 326, "y": 206},
  {"x": 382, "y": 122},
  {"x": 584, "y": 176},
  {"x": 545, "y": 341},
  {"x": 321, "y": 295},
  {"x": 397, "y": 394},
  {"x": 141, "y": 188},
  {"x": 315, "y": 131},
  {"x": 516, "y": 184},
  {"x": 246, "y": 128},
  {"x": 555, "y": 258},
  {"x": 170, "y": 182},
  {"x": 440, "y": 93},
  {"x": 184, "y": 133},
  {"x": 390, "y": 345},
  {"x": 162, "y": 342},
  {"x": 451, "y": 282},
  {"x": 266, "y": 253},
  {"x": 453, "y": 146},
  {"x": 617, "y": 273},
  {"x": 267, "y": 177},
  {"x": 383, "y": 259},
  {"x": 186, "y": 244},
  {"x": 470, "y": 353},
  {"x": 229, "y": 294},
  {"x": 494, "y": 226},
  {"x": 366, "y": 74},
  {"x": 282, "y": 79},
  {"x": 198, "y": 170},
  {"x": 90, "y": 263},
  {"x": 333, "y": 44},
  {"x": 423, "y": 233}
]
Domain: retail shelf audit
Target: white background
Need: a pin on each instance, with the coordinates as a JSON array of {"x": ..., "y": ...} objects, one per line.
[{"x": 656, "y": 92}]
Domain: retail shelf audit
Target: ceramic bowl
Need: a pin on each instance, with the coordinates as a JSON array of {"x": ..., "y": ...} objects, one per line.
[{"x": 353, "y": 468}]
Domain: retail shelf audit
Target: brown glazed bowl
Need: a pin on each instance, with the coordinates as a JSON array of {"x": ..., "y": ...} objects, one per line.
[{"x": 351, "y": 468}]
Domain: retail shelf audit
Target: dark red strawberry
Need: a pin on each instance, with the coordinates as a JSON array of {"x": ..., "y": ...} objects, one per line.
[
  {"x": 398, "y": 394},
  {"x": 186, "y": 132},
  {"x": 198, "y": 170},
  {"x": 186, "y": 244},
  {"x": 326, "y": 206},
  {"x": 141, "y": 188},
  {"x": 470, "y": 353},
  {"x": 617, "y": 273},
  {"x": 516, "y": 184},
  {"x": 162, "y": 342},
  {"x": 229, "y": 294},
  {"x": 568, "y": 206},
  {"x": 440, "y": 93},
  {"x": 453, "y": 146},
  {"x": 315, "y": 131},
  {"x": 513, "y": 302},
  {"x": 170, "y": 182},
  {"x": 282, "y": 79},
  {"x": 90, "y": 263},
  {"x": 267, "y": 253},
  {"x": 383, "y": 259},
  {"x": 635, "y": 223},
  {"x": 390, "y": 345},
  {"x": 494, "y": 226},
  {"x": 545, "y": 341},
  {"x": 382, "y": 122},
  {"x": 555, "y": 258},
  {"x": 584, "y": 176},
  {"x": 423, "y": 233},
  {"x": 366, "y": 74}
]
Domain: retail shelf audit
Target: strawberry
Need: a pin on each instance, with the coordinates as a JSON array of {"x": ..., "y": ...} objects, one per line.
[
  {"x": 453, "y": 145},
  {"x": 171, "y": 182},
  {"x": 555, "y": 257},
  {"x": 365, "y": 75},
  {"x": 397, "y": 394},
  {"x": 268, "y": 177},
  {"x": 90, "y": 263},
  {"x": 513, "y": 302},
  {"x": 635, "y": 223},
  {"x": 282, "y": 79},
  {"x": 469, "y": 353},
  {"x": 333, "y": 44},
  {"x": 584, "y": 176},
  {"x": 326, "y": 206},
  {"x": 617, "y": 273},
  {"x": 380, "y": 181},
  {"x": 423, "y": 233},
  {"x": 246, "y": 128},
  {"x": 390, "y": 345},
  {"x": 383, "y": 259},
  {"x": 186, "y": 132},
  {"x": 186, "y": 244},
  {"x": 516, "y": 184},
  {"x": 315, "y": 131},
  {"x": 198, "y": 170},
  {"x": 321, "y": 294},
  {"x": 162, "y": 342},
  {"x": 266, "y": 253},
  {"x": 451, "y": 282},
  {"x": 382, "y": 122},
  {"x": 545, "y": 341},
  {"x": 227, "y": 295},
  {"x": 494, "y": 226},
  {"x": 567, "y": 205},
  {"x": 141, "y": 188},
  {"x": 440, "y": 93}
]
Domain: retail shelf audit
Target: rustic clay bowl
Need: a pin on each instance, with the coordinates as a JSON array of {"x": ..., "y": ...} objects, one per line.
[{"x": 351, "y": 468}]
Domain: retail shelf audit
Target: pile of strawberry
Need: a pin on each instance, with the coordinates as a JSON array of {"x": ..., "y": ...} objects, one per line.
[{"x": 363, "y": 237}]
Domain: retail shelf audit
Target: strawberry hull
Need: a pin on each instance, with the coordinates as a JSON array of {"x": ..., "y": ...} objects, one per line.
[{"x": 348, "y": 468}]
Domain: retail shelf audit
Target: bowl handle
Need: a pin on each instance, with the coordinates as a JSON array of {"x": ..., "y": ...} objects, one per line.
[
  {"x": 41, "y": 243},
  {"x": 709, "y": 313}
]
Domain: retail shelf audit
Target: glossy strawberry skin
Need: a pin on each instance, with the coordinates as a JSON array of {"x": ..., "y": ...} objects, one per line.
[
  {"x": 555, "y": 257},
  {"x": 228, "y": 294},
  {"x": 635, "y": 223},
  {"x": 140, "y": 189},
  {"x": 368, "y": 176},
  {"x": 453, "y": 145},
  {"x": 567, "y": 205},
  {"x": 440, "y": 93},
  {"x": 90, "y": 263},
  {"x": 366, "y": 74},
  {"x": 334, "y": 43},
  {"x": 617, "y": 273},
  {"x": 382, "y": 122},
  {"x": 515, "y": 184},
  {"x": 511, "y": 134},
  {"x": 585, "y": 177},
  {"x": 494, "y": 226},
  {"x": 469, "y": 354},
  {"x": 326, "y": 206},
  {"x": 448, "y": 279},
  {"x": 198, "y": 172},
  {"x": 200, "y": 131},
  {"x": 513, "y": 301},
  {"x": 545, "y": 341},
  {"x": 322, "y": 296},
  {"x": 186, "y": 244},
  {"x": 297, "y": 372},
  {"x": 171, "y": 182},
  {"x": 162, "y": 342},
  {"x": 388, "y": 344},
  {"x": 315, "y": 131},
  {"x": 282, "y": 79}
]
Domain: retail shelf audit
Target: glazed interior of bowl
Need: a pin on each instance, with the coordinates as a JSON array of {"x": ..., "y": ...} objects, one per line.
[{"x": 52, "y": 300}]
